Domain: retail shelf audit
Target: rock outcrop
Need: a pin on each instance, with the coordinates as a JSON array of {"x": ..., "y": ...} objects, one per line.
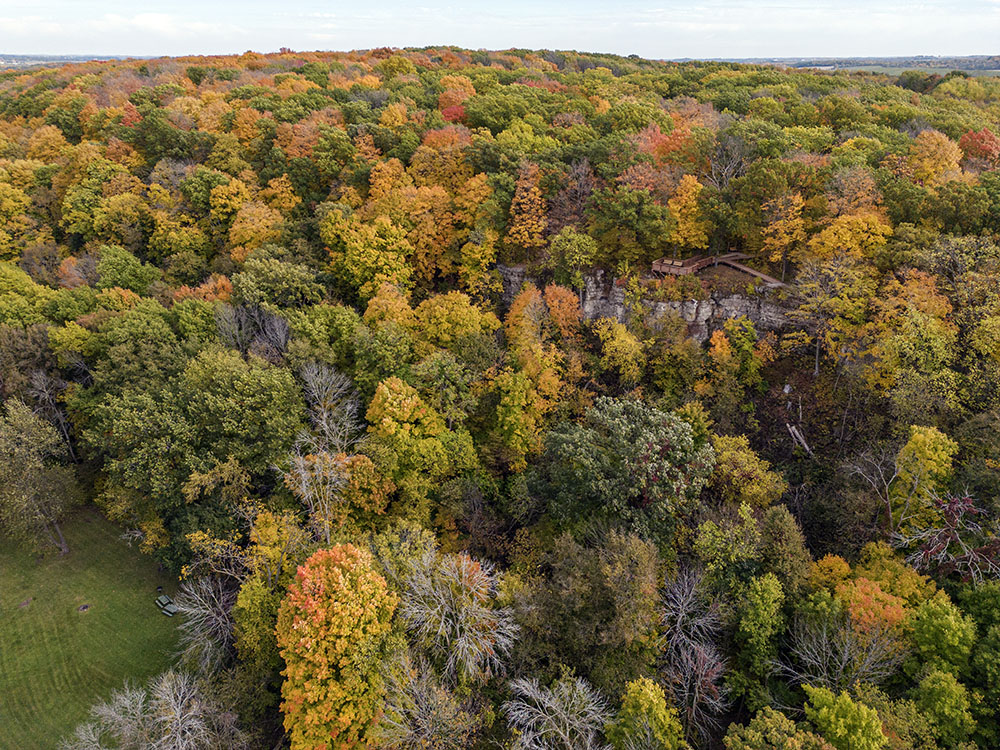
[{"x": 603, "y": 299}]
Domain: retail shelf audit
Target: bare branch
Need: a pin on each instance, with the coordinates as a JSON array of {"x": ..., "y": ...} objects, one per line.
[
  {"x": 421, "y": 713},
  {"x": 206, "y": 633},
  {"x": 172, "y": 713},
  {"x": 830, "y": 653},
  {"x": 568, "y": 716},
  {"x": 449, "y": 607},
  {"x": 966, "y": 542},
  {"x": 692, "y": 666}
]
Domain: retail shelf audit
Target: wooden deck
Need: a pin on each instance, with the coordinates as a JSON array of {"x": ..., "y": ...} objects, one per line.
[{"x": 669, "y": 266}]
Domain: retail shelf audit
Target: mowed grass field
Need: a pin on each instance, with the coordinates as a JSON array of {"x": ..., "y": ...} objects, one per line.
[{"x": 56, "y": 661}]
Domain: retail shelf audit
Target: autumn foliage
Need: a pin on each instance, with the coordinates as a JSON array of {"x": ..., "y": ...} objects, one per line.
[{"x": 332, "y": 628}]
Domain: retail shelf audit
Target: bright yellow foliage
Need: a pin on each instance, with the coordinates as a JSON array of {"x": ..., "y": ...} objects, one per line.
[{"x": 692, "y": 228}]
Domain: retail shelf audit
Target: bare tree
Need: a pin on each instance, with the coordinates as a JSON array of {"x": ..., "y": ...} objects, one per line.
[
  {"x": 449, "y": 607},
  {"x": 830, "y": 653},
  {"x": 317, "y": 479},
  {"x": 878, "y": 469},
  {"x": 252, "y": 328},
  {"x": 317, "y": 464},
  {"x": 420, "y": 712},
  {"x": 692, "y": 666},
  {"x": 689, "y": 617},
  {"x": 47, "y": 392},
  {"x": 125, "y": 717},
  {"x": 642, "y": 737},
  {"x": 569, "y": 204},
  {"x": 180, "y": 717},
  {"x": 334, "y": 407},
  {"x": 966, "y": 542},
  {"x": 570, "y": 715},
  {"x": 694, "y": 677},
  {"x": 172, "y": 713},
  {"x": 728, "y": 161},
  {"x": 206, "y": 632}
]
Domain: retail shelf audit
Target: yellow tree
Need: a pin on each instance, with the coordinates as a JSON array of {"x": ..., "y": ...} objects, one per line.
[
  {"x": 934, "y": 158},
  {"x": 476, "y": 261},
  {"x": 692, "y": 229},
  {"x": 255, "y": 224},
  {"x": 411, "y": 445},
  {"x": 433, "y": 231},
  {"x": 366, "y": 256},
  {"x": 444, "y": 319},
  {"x": 526, "y": 229},
  {"x": 914, "y": 346},
  {"x": 923, "y": 469},
  {"x": 530, "y": 340},
  {"x": 785, "y": 230},
  {"x": 854, "y": 236},
  {"x": 621, "y": 351}
]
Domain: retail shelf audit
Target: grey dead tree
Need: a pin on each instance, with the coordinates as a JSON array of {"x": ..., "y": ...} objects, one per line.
[
  {"x": 206, "y": 630},
  {"x": 420, "y": 712},
  {"x": 316, "y": 466},
  {"x": 692, "y": 666},
  {"x": 829, "y": 652},
  {"x": 569, "y": 715},
  {"x": 449, "y": 607},
  {"x": 172, "y": 713}
]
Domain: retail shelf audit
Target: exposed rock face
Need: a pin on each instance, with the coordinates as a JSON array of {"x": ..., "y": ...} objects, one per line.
[
  {"x": 603, "y": 299},
  {"x": 512, "y": 278}
]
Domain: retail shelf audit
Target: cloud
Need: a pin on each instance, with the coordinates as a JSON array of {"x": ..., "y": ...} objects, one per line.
[
  {"x": 106, "y": 31},
  {"x": 161, "y": 24},
  {"x": 654, "y": 28}
]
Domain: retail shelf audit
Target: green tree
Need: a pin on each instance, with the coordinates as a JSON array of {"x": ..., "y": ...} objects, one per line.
[
  {"x": 924, "y": 466},
  {"x": 783, "y": 550},
  {"x": 760, "y": 624},
  {"x": 593, "y": 607},
  {"x": 117, "y": 267},
  {"x": 729, "y": 548},
  {"x": 35, "y": 488},
  {"x": 941, "y": 635},
  {"x": 945, "y": 701},
  {"x": 645, "y": 720},
  {"x": 411, "y": 445},
  {"x": 626, "y": 461},
  {"x": 741, "y": 476},
  {"x": 843, "y": 722},
  {"x": 271, "y": 281},
  {"x": 834, "y": 297},
  {"x": 570, "y": 254},
  {"x": 772, "y": 730}
]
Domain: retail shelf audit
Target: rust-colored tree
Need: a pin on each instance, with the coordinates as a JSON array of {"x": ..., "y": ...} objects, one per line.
[{"x": 332, "y": 631}]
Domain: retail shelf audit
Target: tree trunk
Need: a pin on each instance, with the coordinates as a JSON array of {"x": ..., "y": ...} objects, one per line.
[
  {"x": 61, "y": 543},
  {"x": 816, "y": 369}
]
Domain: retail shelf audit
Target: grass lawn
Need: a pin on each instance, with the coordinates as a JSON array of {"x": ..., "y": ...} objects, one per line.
[{"x": 56, "y": 661}]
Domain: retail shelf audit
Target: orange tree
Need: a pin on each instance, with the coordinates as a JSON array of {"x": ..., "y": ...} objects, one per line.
[{"x": 333, "y": 627}]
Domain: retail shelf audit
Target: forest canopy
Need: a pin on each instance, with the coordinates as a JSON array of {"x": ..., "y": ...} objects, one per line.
[{"x": 367, "y": 349}]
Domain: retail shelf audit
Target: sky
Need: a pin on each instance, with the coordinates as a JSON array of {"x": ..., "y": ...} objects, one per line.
[{"x": 664, "y": 29}]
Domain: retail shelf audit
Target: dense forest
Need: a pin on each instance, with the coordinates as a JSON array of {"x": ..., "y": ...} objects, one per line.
[{"x": 258, "y": 311}]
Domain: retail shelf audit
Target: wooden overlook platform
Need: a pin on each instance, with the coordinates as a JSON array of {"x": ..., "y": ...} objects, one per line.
[{"x": 665, "y": 266}]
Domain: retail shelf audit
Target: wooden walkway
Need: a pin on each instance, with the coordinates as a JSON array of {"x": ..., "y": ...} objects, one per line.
[{"x": 669, "y": 266}]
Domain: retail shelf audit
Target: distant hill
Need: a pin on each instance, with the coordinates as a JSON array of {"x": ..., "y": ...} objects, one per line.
[
  {"x": 28, "y": 61},
  {"x": 971, "y": 63}
]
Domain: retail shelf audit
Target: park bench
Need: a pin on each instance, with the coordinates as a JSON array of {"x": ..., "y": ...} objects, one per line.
[{"x": 166, "y": 605}]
